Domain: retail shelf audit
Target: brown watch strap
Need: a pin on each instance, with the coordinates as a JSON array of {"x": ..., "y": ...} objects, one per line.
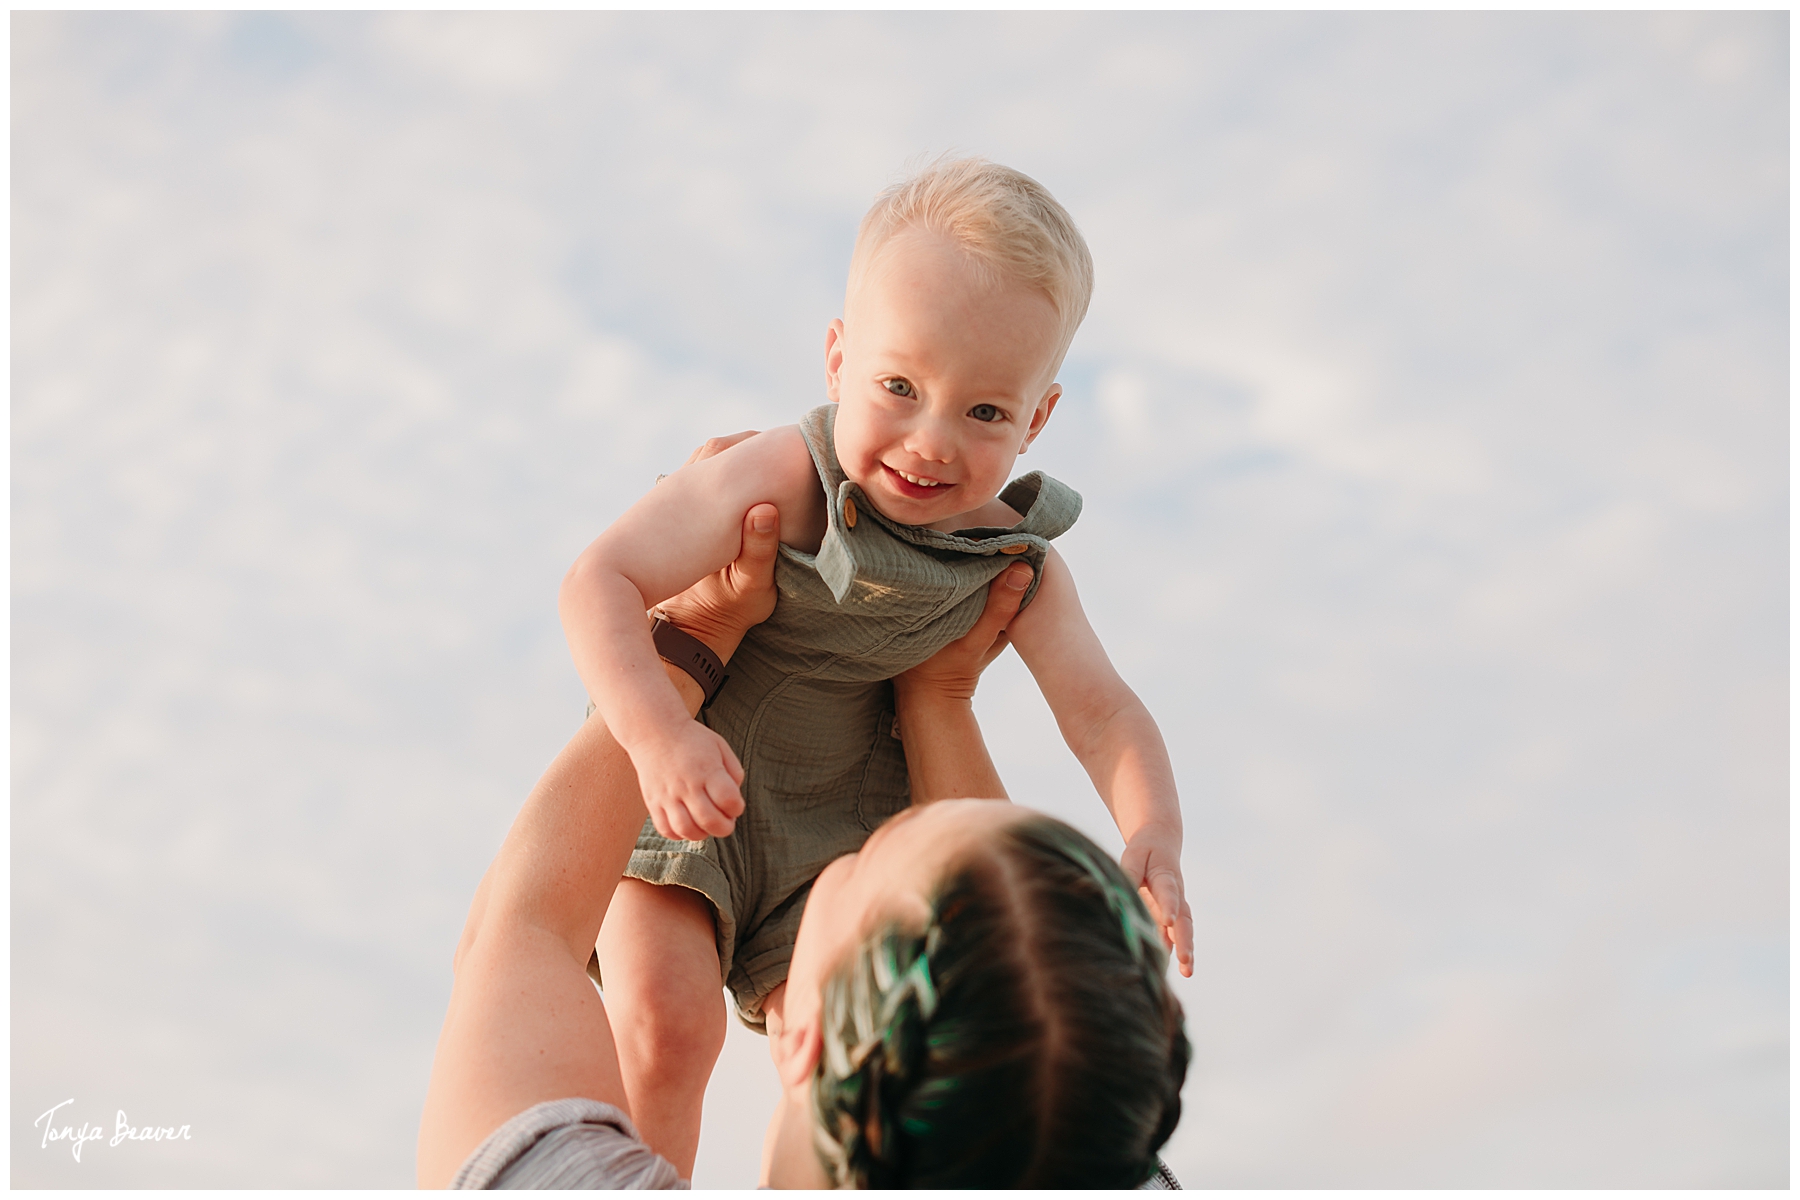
[{"x": 682, "y": 649}]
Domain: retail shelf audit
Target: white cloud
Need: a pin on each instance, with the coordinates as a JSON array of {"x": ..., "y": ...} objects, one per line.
[{"x": 1428, "y": 418}]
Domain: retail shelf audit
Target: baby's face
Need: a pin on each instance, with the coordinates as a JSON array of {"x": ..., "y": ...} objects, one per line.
[{"x": 942, "y": 379}]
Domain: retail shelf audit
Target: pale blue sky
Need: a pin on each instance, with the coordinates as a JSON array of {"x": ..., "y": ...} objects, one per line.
[{"x": 1431, "y": 417}]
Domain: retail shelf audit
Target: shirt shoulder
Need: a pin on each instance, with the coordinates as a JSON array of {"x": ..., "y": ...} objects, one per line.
[{"x": 572, "y": 1143}]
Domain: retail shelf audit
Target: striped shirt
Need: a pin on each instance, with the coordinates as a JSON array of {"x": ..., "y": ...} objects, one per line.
[
  {"x": 576, "y": 1143},
  {"x": 565, "y": 1144}
]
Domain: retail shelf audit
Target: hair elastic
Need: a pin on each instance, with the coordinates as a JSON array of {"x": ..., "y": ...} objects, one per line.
[{"x": 1135, "y": 927}]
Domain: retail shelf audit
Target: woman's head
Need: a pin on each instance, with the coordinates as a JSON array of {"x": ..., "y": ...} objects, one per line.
[{"x": 1002, "y": 1021}]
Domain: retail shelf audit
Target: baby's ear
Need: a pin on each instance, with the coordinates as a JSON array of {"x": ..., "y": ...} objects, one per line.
[
  {"x": 1041, "y": 415},
  {"x": 834, "y": 357}
]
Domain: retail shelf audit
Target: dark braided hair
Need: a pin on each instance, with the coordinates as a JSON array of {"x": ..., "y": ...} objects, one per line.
[{"x": 1027, "y": 1037}]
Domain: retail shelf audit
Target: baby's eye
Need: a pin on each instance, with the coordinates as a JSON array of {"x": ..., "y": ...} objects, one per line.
[
  {"x": 985, "y": 412},
  {"x": 899, "y": 387}
]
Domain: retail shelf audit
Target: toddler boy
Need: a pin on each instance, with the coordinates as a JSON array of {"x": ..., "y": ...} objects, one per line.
[{"x": 966, "y": 287}]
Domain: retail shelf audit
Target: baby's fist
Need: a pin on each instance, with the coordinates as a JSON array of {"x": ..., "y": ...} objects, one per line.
[{"x": 689, "y": 781}]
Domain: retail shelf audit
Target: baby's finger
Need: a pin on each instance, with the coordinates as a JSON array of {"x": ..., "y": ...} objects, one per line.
[
  {"x": 721, "y": 787},
  {"x": 728, "y": 801},
  {"x": 1166, "y": 887},
  {"x": 678, "y": 825},
  {"x": 1176, "y": 919},
  {"x": 723, "y": 804},
  {"x": 716, "y": 824},
  {"x": 728, "y": 760},
  {"x": 1184, "y": 941},
  {"x": 709, "y": 821},
  {"x": 718, "y": 445},
  {"x": 1156, "y": 912}
]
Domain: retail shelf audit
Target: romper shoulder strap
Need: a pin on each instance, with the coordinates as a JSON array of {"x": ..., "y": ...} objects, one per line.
[
  {"x": 835, "y": 561},
  {"x": 1048, "y": 505},
  {"x": 816, "y": 427}
]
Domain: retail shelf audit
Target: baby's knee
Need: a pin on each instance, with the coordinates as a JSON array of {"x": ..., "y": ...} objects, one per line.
[
  {"x": 660, "y": 972},
  {"x": 672, "y": 1024}
]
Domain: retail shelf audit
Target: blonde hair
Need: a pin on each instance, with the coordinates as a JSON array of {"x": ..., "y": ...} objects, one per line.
[{"x": 1006, "y": 221}]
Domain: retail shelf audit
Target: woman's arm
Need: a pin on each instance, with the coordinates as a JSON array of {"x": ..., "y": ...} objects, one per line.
[
  {"x": 946, "y": 758},
  {"x": 525, "y": 1024}
]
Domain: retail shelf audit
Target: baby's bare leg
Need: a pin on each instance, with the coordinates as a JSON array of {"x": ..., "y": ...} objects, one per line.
[{"x": 664, "y": 998}]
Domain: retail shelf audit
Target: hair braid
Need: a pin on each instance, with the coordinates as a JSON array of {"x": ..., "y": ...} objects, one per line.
[
  {"x": 1005, "y": 1044},
  {"x": 878, "y": 1010}
]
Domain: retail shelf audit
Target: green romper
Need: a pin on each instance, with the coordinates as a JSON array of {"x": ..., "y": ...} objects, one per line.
[{"x": 809, "y": 710}]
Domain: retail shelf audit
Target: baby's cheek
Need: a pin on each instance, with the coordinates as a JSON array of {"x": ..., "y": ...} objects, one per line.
[
  {"x": 851, "y": 452},
  {"x": 856, "y": 463},
  {"x": 855, "y": 434}
]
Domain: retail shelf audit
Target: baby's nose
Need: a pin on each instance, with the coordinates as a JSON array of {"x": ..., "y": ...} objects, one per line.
[{"x": 932, "y": 441}]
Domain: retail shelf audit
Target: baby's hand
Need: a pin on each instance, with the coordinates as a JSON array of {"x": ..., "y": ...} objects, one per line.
[
  {"x": 689, "y": 780},
  {"x": 1152, "y": 859}
]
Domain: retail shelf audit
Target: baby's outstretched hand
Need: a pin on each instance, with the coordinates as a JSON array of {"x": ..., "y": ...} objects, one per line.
[
  {"x": 689, "y": 780},
  {"x": 1152, "y": 859}
]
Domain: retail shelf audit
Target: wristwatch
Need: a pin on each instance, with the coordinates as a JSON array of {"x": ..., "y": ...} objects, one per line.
[{"x": 682, "y": 649}]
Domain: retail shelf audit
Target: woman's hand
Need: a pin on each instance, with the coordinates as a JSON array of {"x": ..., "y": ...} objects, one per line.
[
  {"x": 953, "y": 672},
  {"x": 720, "y": 608}
]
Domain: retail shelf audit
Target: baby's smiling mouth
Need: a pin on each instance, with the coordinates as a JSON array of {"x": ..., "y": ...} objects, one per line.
[{"x": 915, "y": 487}]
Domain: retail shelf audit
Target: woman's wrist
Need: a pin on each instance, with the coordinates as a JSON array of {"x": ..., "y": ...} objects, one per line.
[
  {"x": 689, "y": 691},
  {"x": 720, "y": 632},
  {"x": 919, "y": 706},
  {"x": 920, "y": 689},
  {"x": 721, "y": 635},
  {"x": 682, "y": 649},
  {"x": 721, "y": 609}
]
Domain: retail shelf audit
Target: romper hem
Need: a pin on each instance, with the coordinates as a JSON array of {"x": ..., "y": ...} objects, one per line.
[{"x": 684, "y": 868}]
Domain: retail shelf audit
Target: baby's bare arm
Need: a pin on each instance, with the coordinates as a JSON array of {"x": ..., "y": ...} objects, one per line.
[
  {"x": 1116, "y": 739},
  {"x": 684, "y": 529},
  {"x": 1101, "y": 718}
]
